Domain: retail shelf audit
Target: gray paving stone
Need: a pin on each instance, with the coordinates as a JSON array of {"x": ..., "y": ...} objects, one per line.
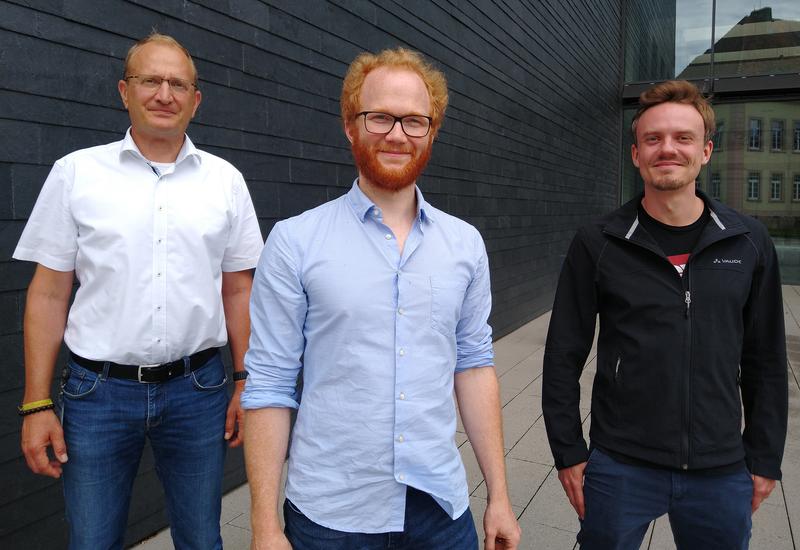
[
  {"x": 538, "y": 536},
  {"x": 551, "y": 507},
  {"x": 533, "y": 447},
  {"x": 474, "y": 476},
  {"x": 518, "y": 416},
  {"x": 661, "y": 535},
  {"x": 234, "y": 538},
  {"x": 521, "y": 375},
  {"x": 524, "y": 479}
]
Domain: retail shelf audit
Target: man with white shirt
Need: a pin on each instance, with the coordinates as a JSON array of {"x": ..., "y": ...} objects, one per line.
[
  {"x": 162, "y": 238},
  {"x": 386, "y": 300}
]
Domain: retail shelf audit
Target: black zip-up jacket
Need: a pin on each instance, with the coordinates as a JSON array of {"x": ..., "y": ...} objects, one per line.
[{"x": 677, "y": 357}]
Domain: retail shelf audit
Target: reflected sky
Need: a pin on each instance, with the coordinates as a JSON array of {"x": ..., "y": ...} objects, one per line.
[{"x": 693, "y": 22}]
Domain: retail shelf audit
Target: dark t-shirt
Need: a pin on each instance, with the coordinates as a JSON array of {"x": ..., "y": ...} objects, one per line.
[{"x": 677, "y": 243}]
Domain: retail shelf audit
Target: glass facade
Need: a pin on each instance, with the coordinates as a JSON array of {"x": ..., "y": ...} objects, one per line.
[{"x": 748, "y": 59}]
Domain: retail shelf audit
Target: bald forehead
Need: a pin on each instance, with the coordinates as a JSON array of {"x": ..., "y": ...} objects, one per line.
[{"x": 159, "y": 53}]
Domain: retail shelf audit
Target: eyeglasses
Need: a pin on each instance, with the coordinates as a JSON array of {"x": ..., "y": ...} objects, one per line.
[
  {"x": 153, "y": 82},
  {"x": 382, "y": 123}
]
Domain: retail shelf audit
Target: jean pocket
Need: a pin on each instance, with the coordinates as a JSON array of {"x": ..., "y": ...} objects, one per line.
[
  {"x": 210, "y": 377},
  {"x": 79, "y": 382},
  {"x": 447, "y": 297}
]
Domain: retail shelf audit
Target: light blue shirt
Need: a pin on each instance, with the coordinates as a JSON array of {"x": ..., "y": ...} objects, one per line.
[{"x": 379, "y": 336}]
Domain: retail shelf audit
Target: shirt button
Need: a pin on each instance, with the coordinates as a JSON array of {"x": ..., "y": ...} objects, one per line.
[
  {"x": 158, "y": 339},
  {"x": 400, "y": 438},
  {"x": 402, "y": 352},
  {"x": 158, "y": 308},
  {"x": 159, "y": 241},
  {"x": 684, "y": 466},
  {"x": 401, "y": 477},
  {"x": 160, "y": 208},
  {"x": 158, "y": 274},
  {"x": 388, "y": 236},
  {"x": 401, "y": 311},
  {"x": 402, "y": 396}
]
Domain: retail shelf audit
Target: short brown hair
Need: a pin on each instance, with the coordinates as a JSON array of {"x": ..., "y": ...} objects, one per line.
[
  {"x": 676, "y": 91},
  {"x": 164, "y": 40},
  {"x": 401, "y": 58}
]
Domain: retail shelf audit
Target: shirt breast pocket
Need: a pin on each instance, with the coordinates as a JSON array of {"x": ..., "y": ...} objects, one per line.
[{"x": 447, "y": 297}]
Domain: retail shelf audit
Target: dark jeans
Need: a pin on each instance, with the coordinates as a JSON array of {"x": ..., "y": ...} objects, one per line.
[
  {"x": 427, "y": 525},
  {"x": 705, "y": 511},
  {"x": 106, "y": 421}
]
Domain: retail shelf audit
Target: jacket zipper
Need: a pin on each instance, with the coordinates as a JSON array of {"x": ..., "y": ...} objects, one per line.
[
  {"x": 616, "y": 368},
  {"x": 687, "y": 371}
]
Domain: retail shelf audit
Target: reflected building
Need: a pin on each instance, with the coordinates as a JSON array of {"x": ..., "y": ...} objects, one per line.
[
  {"x": 752, "y": 70},
  {"x": 650, "y": 33},
  {"x": 755, "y": 166}
]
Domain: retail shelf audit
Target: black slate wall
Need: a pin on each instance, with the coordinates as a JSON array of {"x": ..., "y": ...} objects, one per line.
[{"x": 529, "y": 149}]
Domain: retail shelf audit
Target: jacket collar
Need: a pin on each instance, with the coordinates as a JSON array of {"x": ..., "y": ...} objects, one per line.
[{"x": 624, "y": 223}]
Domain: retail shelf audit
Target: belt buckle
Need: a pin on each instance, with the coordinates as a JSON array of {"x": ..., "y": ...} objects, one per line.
[{"x": 139, "y": 373}]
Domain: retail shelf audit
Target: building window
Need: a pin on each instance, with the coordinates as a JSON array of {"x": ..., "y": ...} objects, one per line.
[
  {"x": 776, "y": 187},
  {"x": 796, "y": 147},
  {"x": 713, "y": 188},
  {"x": 753, "y": 186},
  {"x": 719, "y": 136},
  {"x": 777, "y": 135},
  {"x": 754, "y": 135},
  {"x": 796, "y": 189}
]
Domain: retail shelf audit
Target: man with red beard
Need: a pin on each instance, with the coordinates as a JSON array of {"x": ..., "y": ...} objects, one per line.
[
  {"x": 383, "y": 302},
  {"x": 688, "y": 295}
]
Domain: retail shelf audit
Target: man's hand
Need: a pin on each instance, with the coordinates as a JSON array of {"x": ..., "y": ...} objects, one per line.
[
  {"x": 572, "y": 480},
  {"x": 762, "y": 487},
  {"x": 500, "y": 527},
  {"x": 234, "y": 420},
  {"x": 39, "y": 431},
  {"x": 271, "y": 541}
]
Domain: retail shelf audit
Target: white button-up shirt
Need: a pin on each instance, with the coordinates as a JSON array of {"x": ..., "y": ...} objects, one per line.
[{"x": 148, "y": 243}]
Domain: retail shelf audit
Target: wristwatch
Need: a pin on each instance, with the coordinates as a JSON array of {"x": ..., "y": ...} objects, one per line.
[{"x": 240, "y": 375}]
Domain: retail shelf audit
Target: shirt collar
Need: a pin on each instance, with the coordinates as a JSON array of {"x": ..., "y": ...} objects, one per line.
[
  {"x": 187, "y": 149},
  {"x": 362, "y": 205}
]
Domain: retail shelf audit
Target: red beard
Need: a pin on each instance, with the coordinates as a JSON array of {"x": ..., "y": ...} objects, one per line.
[{"x": 390, "y": 179}]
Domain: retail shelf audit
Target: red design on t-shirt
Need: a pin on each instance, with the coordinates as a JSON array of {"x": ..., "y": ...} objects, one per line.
[{"x": 679, "y": 261}]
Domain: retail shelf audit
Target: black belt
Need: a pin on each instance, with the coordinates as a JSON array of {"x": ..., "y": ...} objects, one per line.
[{"x": 147, "y": 373}]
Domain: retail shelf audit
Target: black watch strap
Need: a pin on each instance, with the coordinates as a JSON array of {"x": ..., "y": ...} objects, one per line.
[{"x": 240, "y": 375}]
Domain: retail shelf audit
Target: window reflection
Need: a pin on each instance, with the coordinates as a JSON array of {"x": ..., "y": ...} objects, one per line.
[{"x": 754, "y": 176}]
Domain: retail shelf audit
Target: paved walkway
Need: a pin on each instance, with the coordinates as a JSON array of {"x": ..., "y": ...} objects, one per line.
[{"x": 547, "y": 520}]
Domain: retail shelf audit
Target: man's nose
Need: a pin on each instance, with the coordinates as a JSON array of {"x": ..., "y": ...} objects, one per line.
[
  {"x": 397, "y": 133},
  {"x": 164, "y": 93},
  {"x": 668, "y": 146}
]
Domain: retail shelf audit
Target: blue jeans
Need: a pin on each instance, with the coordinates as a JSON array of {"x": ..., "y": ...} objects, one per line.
[
  {"x": 427, "y": 525},
  {"x": 705, "y": 511},
  {"x": 106, "y": 421}
]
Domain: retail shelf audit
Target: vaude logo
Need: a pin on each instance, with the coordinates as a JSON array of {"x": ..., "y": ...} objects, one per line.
[{"x": 726, "y": 261}]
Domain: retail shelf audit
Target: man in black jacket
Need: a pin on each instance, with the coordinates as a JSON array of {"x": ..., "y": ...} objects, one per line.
[{"x": 691, "y": 329}]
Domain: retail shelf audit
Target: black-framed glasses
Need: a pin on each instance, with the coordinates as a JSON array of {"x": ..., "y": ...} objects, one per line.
[
  {"x": 382, "y": 123},
  {"x": 153, "y": 82}
]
